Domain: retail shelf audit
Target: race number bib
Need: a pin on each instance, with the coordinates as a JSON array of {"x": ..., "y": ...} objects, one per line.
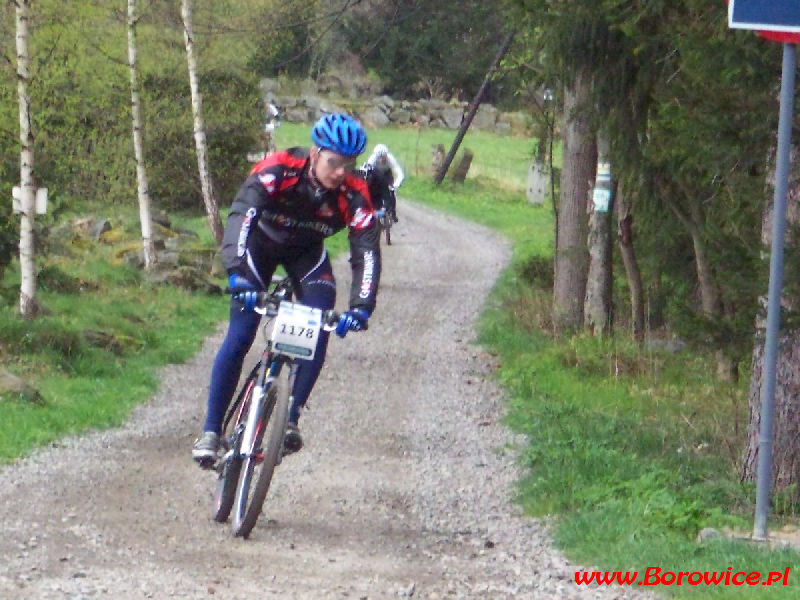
[{"x": 296, "y": 330}]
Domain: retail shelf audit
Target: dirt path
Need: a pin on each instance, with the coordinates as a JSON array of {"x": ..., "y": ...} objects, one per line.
[{"x": 402, "y": 489}]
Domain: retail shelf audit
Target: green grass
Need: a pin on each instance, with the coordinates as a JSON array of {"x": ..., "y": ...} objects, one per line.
[{"x": 93, "y": 356}]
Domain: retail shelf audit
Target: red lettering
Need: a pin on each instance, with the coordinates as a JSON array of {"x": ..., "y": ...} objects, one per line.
[
  {"x": 670, "y": 575},
  {"x": 627, "y": 578},
  {"x": 657, "y": 576},
  {"x": 714, "y": 578},
  {"x": 605, "y": 578},
  {"x": 583, "y": 578},
  {"x": 773, "y": 577},
  {"x": 647, "y": 576}
]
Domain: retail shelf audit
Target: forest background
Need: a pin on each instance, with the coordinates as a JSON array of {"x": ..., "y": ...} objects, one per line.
[{"x": 643, "y": 439}]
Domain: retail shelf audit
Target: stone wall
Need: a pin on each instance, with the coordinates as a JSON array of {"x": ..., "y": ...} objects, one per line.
[{"x": 379, "y": 111}]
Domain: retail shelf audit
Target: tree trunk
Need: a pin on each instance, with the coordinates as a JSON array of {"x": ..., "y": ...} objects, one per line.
[
  {"x": 209, "y": 199},
  {"x": 709, "y": 294},
  {"x": 27, "y": 289},
  {"x": 786, "y": 421},
  {"x": 143, "y": 188},
  {"x": 710, "y": 300},
  {"x": 597, "y": 305},
  {"x": 632, "y": 272},
  {"x": 727, "y": 367},
  {"x": 577, "y": 175}
]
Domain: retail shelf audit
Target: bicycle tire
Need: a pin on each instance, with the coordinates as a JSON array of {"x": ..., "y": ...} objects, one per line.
[
  {"x": 229, "y": 469},
  {"x": 384, "y": 225},
  {"x": 256, "y": 472}
]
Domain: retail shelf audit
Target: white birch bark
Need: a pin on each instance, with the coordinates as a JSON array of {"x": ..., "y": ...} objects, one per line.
[
  {"x": 209, "y": 199},
  {"x": 27, "y": 290},
  {"x": 143, "y": 188}
]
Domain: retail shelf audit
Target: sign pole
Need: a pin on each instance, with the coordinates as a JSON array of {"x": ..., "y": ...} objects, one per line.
[{"x": 782, "y": 160}]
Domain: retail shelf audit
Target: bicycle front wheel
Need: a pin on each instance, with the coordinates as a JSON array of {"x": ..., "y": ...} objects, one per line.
[
  {"x": 259, "y": 460},
  {"x": 231, "y": 464}
]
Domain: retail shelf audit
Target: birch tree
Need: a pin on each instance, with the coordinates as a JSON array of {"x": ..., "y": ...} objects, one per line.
[
  {"x": 209, "y": 198},
  {"x": 143, "y": 191},
  {"x": 27, "y": 292}
]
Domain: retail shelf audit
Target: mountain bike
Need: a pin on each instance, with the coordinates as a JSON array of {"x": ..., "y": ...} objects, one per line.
[
  {"x": 385, "y": 218},
  {"x": 255, "y": 423}
]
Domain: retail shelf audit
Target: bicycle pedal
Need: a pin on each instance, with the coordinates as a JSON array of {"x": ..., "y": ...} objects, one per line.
[{"x": 207, "y": 463}]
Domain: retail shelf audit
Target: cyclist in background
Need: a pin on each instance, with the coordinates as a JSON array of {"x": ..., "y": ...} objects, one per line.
[
  {"x": 384, "y": 175},
  {"x": 291, "y": 201},
  {"x": 273, "y": 120}
]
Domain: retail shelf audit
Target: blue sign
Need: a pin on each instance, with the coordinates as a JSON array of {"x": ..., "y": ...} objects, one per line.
[{"x": 765, "y": 15}]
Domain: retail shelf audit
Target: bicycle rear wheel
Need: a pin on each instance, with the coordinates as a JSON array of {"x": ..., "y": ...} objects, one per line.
[
  {"x": 258, "y": 462},
  {"x": 385, "y": 224},
  {"x": 231, "y": 464}
]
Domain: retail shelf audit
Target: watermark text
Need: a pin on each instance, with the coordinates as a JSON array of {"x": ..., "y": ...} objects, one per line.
[{"x": 658, "y": 576}]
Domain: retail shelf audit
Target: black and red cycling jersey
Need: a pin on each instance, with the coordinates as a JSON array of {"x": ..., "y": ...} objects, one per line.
[
  {"x": 278, "y": 207},
  {"x": 379, "y": 181}
]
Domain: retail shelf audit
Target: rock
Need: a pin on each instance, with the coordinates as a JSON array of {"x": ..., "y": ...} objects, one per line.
[
  {"x": 374, "y": 117},
  {"x": 13, "y": 387},
  {"x": 708, "y": 533}
]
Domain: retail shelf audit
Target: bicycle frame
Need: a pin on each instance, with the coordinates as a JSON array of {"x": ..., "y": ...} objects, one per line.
[
  {"x": 275, "y": 364},
  {"x": 258, "y": 416}
]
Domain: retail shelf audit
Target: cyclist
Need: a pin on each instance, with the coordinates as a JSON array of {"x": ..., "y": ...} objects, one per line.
[
  {"x": 273, "y": 120},
  {"x": 384, "y": 175},
  {"x": 285, "y": 208}
]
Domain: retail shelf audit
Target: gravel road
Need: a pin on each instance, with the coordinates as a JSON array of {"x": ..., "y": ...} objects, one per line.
[{"x": 403, "y": 488}]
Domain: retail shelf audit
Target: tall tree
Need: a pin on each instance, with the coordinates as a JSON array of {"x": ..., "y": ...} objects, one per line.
[
  {"x": 143, "y": 193},
  {"x": 597, "y": 305},
  {"x": 579, "y": 44},
  {"x": 628, "y": 254},
  {"x": 701, "y": 185},
  {"x": 209, "y": 198},
  {"x": 27, "y": 291},
  {"x": 577, "y": 175},
  {"x": 417, "y": 47}
]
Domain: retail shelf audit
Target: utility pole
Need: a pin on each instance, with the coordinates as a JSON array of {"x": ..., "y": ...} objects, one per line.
[{"x": 473, "y": 108}]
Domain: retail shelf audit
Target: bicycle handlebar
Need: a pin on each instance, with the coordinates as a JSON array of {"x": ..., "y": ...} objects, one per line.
[{"x": 268, "y": 302}]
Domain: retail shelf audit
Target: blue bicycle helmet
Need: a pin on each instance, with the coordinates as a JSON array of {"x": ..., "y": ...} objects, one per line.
[{"x": 339, "y": 133}]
